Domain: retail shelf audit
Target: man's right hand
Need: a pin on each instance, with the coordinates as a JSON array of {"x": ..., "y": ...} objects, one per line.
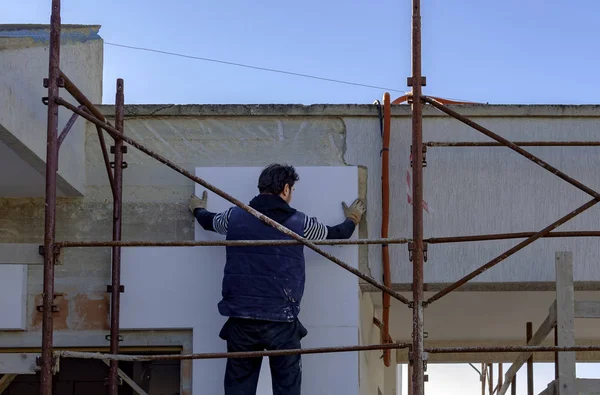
[
  {"x": 355, "y": 211},
  {"x": 196, "y": 202}
]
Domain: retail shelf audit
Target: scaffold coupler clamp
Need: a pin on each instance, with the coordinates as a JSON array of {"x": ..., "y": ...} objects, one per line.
[
  {"x": 424, "y": 160},
  {"x": 411, "y": 248},
  {"x": 55, "y": 364}
]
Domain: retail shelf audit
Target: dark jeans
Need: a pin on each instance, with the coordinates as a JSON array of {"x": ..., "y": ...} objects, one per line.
[{"x": 241, "y": 374}]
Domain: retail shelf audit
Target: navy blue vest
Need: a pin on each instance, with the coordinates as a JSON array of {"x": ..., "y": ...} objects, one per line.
[{"x": 262, "y": 282}]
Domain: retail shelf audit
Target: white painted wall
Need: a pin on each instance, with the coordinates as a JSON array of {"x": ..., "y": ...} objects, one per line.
[
  {"x": 13, "y": 296},
  {"x": 180, "y": 287}
]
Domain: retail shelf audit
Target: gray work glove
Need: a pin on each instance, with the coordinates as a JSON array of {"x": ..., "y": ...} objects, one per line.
[
  {"x": 355, "y": 211},
  {"x": 196, "y": 202}
]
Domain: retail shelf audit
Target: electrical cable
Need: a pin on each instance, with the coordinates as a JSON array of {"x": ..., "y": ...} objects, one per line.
[{"x": 252, "y": 67}]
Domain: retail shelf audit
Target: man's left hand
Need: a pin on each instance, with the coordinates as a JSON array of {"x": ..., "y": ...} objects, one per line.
[
  {"x": 196, "y": 202},
  {"x": 355, "y": 211}
]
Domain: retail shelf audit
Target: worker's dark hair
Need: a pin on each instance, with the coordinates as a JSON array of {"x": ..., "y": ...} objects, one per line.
[{"x": 274, "y": 177}]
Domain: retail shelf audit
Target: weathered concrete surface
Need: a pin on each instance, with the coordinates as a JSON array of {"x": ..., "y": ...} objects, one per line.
[
  {"x": 487, "y": 182},
  {"x": 472, "y": 191},
  {"x": 466, "y": 195},
  {"x": 23, "y": 116},
  {"x": 371, "y": 366},
  {"x": 351, "y": 110},
  {"x": 155, "y": 198},
  {"x": 23, "y": 179}
]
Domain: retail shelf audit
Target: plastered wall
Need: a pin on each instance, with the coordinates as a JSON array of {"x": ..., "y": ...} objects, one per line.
[
  {"x": 371, "y": 363},
  {"x": 470, "y": 191},
  {"x": 23, "y": 116}
]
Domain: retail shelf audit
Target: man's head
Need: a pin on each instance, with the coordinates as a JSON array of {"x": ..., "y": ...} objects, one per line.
[{"x": 279, "y": 180}]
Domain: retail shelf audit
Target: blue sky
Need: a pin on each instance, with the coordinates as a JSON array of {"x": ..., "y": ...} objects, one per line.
[{"x": 512, "y": 51}]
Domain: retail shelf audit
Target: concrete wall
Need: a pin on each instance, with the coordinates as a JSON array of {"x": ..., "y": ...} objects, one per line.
[
  {"x": 473, "y": 198},
  {"x": 467, "y": 190},
  {"x": 23, "y": 116},
  {"x": 465, "y": 193},
  {"x": 472, "y": 191},
  {"x": 371, "y": 364}
]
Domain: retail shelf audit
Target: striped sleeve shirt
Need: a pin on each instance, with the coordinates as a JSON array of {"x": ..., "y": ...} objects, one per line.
[{"x": 313, "y": 229}]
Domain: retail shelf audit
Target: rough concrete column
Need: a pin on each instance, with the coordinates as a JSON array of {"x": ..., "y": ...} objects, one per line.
[{"x": 392, "y": 380}]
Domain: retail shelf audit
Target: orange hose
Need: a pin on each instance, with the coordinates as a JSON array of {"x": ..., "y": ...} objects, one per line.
[
  {"x": 404, "y": 98},
  {"x": 385, "y": 200},
  {"x": 401, "y": 99}
]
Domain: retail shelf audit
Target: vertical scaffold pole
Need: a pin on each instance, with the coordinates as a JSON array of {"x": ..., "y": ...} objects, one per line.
[
  {"x": 417, "y": 158},
  {"x": 115, "y": 301},
  {"x": 50, "y": 206}
]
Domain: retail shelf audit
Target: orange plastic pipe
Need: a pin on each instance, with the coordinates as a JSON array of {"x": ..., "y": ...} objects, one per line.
[
  {"x": 404, "y": 98},
  {"x": 385, "y": 202},
  {"x": 399, "y": 100}
]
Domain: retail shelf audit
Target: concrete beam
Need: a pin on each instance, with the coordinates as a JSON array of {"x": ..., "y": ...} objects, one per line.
[
  {"x": 18, "y": 363},
  {"x": 490, "y": 287},
  {"x": 349, "y": 110},
  {"x": 96, "y": 339},
  {"x": 565, "y": 322},
  {"x": 24, "y": 62},
  {"x": 588, "y": 386},
  {"x": 20, "y": 254},
  {"x": 587, "y": 309},
  {"x": 32, "y": 167},
  {"x": 536, "y": 340},
  {"x": 551, "y": 389}
]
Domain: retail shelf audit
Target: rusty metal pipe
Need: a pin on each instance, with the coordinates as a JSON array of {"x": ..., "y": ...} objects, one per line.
[
  {"x": 221, "y": 243},
  {"x": 516, "y": 349},
  {"x": 111, "y": 178},
  {"x": 505, "y": 236},
  {"x": 511, "y": 251},
  {"x": 418, "y": 372},
  {"x": 222, "y": 355},
  {"x": 377, "y": 322},
  {"x": 50, "y": 200},
  {"x": 385, "y": 217},
  {"x": 529, "y": 330},
  {"x": 115, "y": 300},
  {"x": 450, "y": 144},
  {"x": 514, "y": 147},
  {"x": 81, "y": 98},
  {"x": 116, "y": 134},
  {"x": 84, "y": 101},
  {"x": 68, "y": 126}
]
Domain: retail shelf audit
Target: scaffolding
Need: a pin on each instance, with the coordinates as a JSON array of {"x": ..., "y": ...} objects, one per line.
[{"x": 417, "y": 244}]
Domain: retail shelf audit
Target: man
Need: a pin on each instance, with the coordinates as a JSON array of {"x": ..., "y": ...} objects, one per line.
[{"x": 263, "y": 285}]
